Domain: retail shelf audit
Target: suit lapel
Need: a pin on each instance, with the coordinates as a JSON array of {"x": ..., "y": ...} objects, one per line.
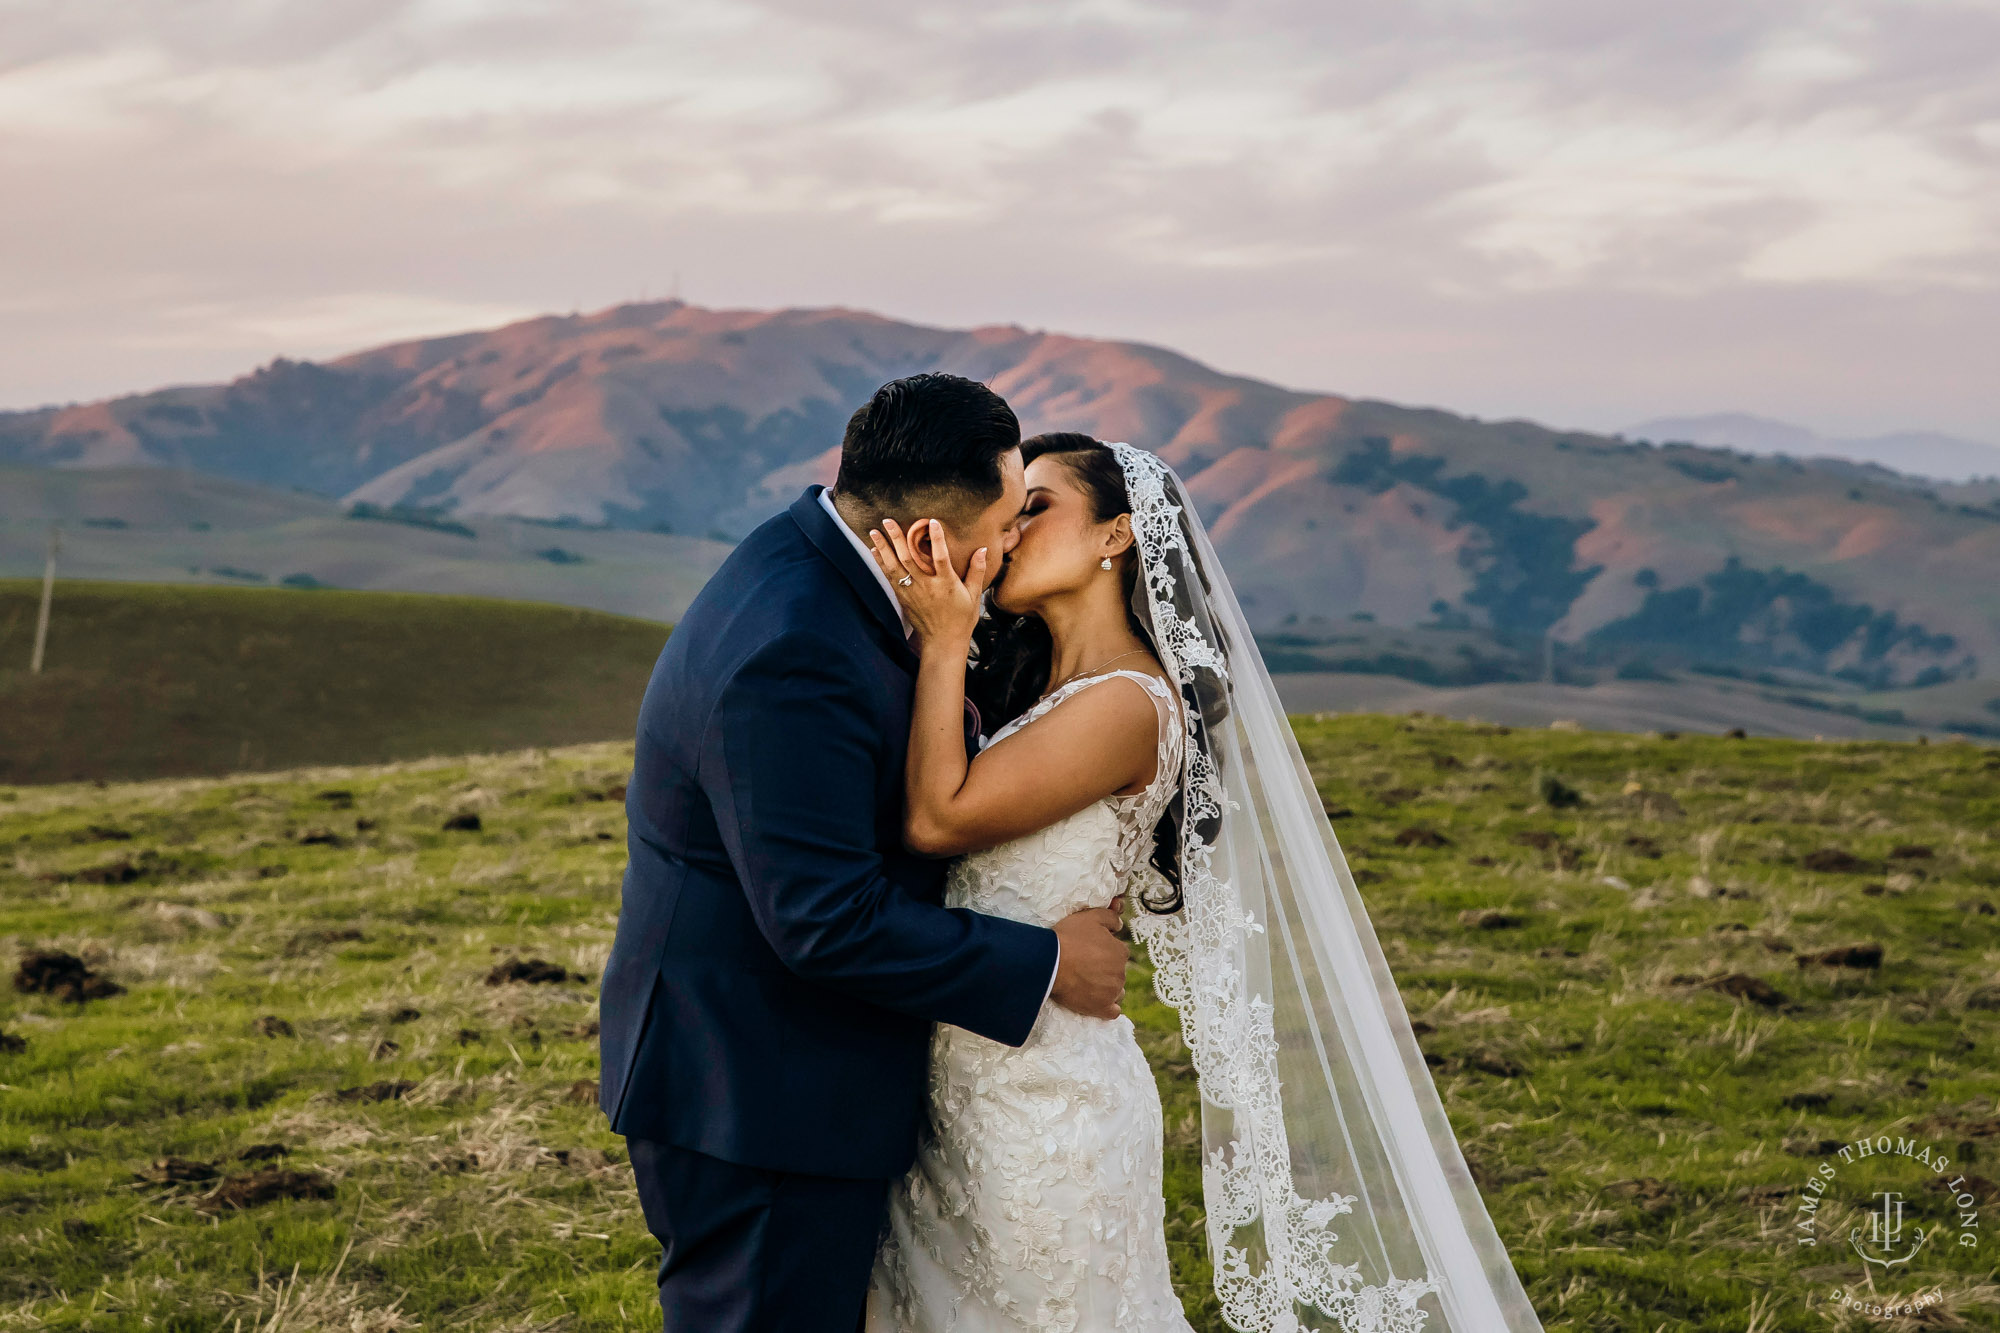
[{"x": 830, "y": 539}]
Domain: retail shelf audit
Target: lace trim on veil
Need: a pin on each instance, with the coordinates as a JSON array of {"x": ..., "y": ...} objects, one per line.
[{"x": 1199, "y": 957}]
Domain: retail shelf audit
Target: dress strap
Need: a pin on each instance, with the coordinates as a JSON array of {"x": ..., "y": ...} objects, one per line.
[{"x": 1158, "y": 689}]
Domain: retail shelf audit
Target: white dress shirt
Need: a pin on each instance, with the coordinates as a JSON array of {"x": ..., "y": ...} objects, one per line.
[{"x": 868, "y": 558}]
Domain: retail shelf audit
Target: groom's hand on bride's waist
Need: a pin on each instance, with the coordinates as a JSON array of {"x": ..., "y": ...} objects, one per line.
[{"x": 1090, "y": 967}]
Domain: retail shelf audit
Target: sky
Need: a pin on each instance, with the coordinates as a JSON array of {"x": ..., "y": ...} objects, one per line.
[{"x": 1585, "y": 212}]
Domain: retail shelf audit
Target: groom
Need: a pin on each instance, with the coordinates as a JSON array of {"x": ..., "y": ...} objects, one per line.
[{"x": 780, "y": 958}]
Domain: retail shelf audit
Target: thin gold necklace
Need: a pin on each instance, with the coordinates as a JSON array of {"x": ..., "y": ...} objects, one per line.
[{"x": 1075, "y": 675}]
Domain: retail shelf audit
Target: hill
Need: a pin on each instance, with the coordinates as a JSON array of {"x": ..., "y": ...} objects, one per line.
[
  {"x": 1652, "y": 1017},
  {"x": 153, "y": 525},
  {"x": 143, "y": 681},
  {"x": 1918, "y": 455},
  {"x": 1324, "y": 507},
  {"x": 1712, "y": 704},
  {"x": 170, "y": 525}
]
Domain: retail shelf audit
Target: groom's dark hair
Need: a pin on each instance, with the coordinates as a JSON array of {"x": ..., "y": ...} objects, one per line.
[{"x": 931, "y": 438}]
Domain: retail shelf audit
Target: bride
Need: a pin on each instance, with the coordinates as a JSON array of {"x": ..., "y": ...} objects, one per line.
[{"x": 1145, "y": 758}]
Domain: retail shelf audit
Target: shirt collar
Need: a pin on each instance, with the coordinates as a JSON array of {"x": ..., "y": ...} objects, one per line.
[{"x": 867, "y": 557}]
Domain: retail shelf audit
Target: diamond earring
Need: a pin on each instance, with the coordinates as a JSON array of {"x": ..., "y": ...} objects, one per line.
[{"x": 1105, "y": 563}]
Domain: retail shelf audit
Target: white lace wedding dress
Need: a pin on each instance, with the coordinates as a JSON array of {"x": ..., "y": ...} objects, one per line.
[{"x": 1035, "y": 1201}]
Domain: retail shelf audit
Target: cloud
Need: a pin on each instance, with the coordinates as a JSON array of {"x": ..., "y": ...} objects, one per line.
[{"x": 1261, "y": 183}]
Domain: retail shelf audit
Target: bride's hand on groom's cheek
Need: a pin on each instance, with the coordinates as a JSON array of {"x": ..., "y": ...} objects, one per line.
[{"x": 941, "y": 605}]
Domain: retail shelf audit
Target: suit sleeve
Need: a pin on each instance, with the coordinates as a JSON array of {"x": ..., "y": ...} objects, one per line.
[{"x": 791, "y": 769}]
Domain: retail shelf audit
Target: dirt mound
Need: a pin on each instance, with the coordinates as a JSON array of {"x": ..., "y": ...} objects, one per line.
[
  {"x": 52, "y": 972},
  {"x": 270, "y": 1025},
  {"x": 1837, "y": 861},
  {"x": 388, "y": 1090},
  {"x": 11, "y": 1044},
  {"x": 1418, "y": 836},
  {"x": 1848, "y": 955},
  {"x": 269, "y": 1185},
  {"x": 531, "y": 972},
  {"x": 1739, "y": 984},
  {"x": 467, "y": 822},
  {"x": 262, "y": 1152}
]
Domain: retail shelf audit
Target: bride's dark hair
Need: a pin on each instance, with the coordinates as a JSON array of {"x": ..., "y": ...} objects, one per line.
[{"x": 1012, "y": 655}]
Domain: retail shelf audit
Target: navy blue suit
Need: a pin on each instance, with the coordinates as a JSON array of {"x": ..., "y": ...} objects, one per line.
[{"x": 780, "y": 956}]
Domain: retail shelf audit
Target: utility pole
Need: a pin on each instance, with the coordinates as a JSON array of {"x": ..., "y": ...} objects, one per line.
[{"x": 48, "y": 594}]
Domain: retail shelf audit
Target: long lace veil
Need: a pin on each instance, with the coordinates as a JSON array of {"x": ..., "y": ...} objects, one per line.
[{"x": 1336, "y": 1195}]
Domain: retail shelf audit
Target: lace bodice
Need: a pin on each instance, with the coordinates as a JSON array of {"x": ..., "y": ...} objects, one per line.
[{"x": 1088, "y": 858}]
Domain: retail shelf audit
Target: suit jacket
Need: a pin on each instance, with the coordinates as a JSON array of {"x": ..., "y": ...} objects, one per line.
[{"x": 780, "y": 956}]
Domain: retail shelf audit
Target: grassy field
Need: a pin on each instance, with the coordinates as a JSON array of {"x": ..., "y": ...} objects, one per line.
[
  {"x": 315, "y": 1103},
  {"x": 145, "y": 680}
]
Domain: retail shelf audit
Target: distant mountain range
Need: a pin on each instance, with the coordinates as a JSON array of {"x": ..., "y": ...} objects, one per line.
[
  {"x": 1329, "y": 511},
  {"x": 1917, "y": 454}
]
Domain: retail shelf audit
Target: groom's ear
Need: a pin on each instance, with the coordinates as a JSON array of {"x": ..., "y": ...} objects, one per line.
[{"x": 920, "y": 546}]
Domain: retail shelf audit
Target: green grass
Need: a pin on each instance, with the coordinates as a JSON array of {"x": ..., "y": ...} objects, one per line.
[
  {"x": 1643, "y": 1163},
  {"x": 158, "y": 680}
]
